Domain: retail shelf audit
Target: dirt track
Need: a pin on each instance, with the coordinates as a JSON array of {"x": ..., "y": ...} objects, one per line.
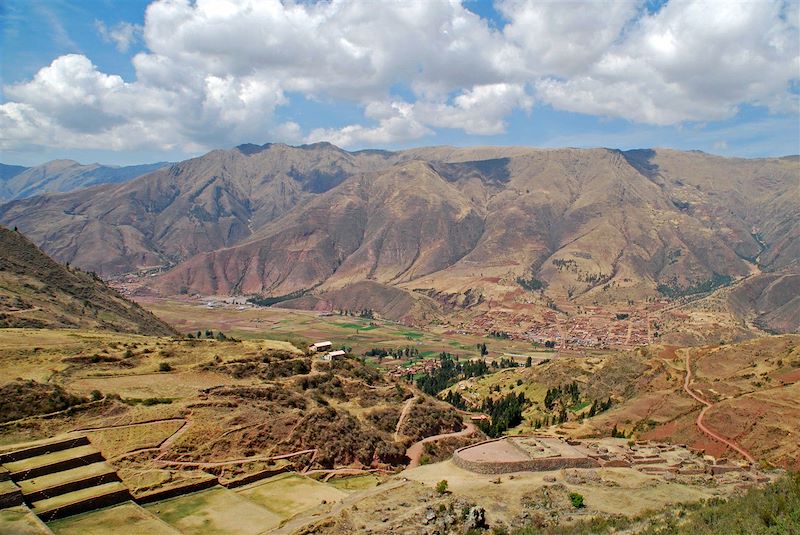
[
  {"x": 687, "y": 380},
  {"x": 415, "y": 451},
  {"x": 403, "y": 415}
]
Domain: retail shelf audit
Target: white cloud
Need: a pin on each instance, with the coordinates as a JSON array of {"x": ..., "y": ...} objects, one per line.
[
  {"x": 693, "y": 60},
  {"x": 213, "y": 72},
  {"x": 396, "y": 122},
  {"x": 122, "y": 34}
]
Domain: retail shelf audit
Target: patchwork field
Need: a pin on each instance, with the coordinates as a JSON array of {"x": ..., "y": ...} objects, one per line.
[
  {"x": 360, "y": 334},
  {"x": 108, "y": 521},
  {"x": 291, "y": 494},
  {"x": 217, "y": 511}
]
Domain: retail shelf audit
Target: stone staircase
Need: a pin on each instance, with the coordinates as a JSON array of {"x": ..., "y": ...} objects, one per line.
[{"x": 62, "y": 477}]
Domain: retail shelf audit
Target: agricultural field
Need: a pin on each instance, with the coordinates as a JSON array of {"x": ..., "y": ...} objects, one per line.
[
  {"x": 290, "y": 494},
  {"x": 216, "y": 511},
  {"x": 107, "y": 522},
  {"x": 360, "y": 334}
]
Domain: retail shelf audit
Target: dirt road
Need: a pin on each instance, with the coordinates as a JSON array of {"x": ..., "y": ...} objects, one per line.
[
  {"x": 415, "y": 451},
  {"x": 686, "y": 382},
  {"x": 403, "y": 414}
]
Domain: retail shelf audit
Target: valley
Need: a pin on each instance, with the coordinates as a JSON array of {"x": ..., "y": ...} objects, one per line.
[{"x": 277, "y": 339}]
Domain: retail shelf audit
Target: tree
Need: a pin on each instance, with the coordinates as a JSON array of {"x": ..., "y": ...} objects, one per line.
[
  {"x": 529, "y": 362},
  {"x": 576, "y": 499},
  {"x": 441, "y": 486}
]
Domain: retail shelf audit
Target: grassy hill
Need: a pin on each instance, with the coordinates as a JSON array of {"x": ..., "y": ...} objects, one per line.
[{"x": 36, "y": 291}]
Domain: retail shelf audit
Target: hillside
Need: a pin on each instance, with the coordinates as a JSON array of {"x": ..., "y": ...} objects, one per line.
[
  {"x": 455, "y": 227},
  {"x": 60, "y": 176},
  {"x": 752, "y": 387},
  {"x": 37, "y": 292}
]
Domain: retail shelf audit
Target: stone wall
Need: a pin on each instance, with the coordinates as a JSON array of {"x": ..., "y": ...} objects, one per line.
[{"x": 531, "y": 465}]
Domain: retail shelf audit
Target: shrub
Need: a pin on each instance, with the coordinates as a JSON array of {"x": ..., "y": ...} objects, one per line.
[
  {"x": 96, "y": 395},
  {"x": 576, "y": 499},
  {"x": 441, "y": 486},
  {"x": 164, "y": 367}
]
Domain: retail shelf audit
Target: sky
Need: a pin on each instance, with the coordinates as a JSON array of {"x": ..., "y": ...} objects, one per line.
[{"x": 129, "y": 81}]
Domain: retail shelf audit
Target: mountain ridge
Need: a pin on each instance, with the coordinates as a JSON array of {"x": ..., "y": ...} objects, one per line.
[
  {"x": 457, "y": 224},
  {"x": 62, "y": 176}
]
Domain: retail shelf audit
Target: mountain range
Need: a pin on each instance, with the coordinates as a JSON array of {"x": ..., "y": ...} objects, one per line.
[
  {"x": 434, "y": 227},
  {"x": 59, "y": 176}
]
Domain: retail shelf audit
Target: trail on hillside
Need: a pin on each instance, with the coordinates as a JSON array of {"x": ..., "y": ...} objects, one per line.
[
  {"x": 687, "y": 380},
  {"x": 403, "y": 414},
  {"x": 415, "y": 451}
]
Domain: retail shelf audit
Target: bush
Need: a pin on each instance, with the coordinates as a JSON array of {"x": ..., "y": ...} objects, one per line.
[
  {"x": 576, "y": 499},
  {"x": 96, "y": 395},
  {"x": 441, "y": 486},
  {"x": 164, "y": 367}
]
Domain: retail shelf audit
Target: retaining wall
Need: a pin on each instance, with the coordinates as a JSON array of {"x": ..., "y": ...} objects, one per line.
[
  {"x": 70, "y": 486},
  {"x": 50, "y": 447},
  {"x": 176, "y": 491},
  {"x": 250, "y": 478},
  {"x": 112, "y": 498},
  {"x": 542, "y": 464},
  {"x": 58, "y": 466}
]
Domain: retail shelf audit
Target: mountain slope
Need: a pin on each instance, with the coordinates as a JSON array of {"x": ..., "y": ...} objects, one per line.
[
  {"x": 191, "y": 207},
  {"x": 461, "y": 226},
  {"x": 35, "y": 291},
  {"x": 59, "y": 176},
  {"x": 587, "y": 223}
]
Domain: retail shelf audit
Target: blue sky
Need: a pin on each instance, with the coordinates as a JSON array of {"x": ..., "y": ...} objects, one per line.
[{"x": 99, "y": 81}]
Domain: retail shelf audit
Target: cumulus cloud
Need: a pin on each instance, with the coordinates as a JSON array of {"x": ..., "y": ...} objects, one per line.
[
  {"x": 122, "y": 34},
  {"x": 692, "y": 60},
  {"x": 214, "y": 72}
]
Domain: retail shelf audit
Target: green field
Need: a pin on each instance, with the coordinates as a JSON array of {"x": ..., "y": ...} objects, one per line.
[
  {"x": 21, "y": 521},
  {"x": 110, "y": 520},
  {"x": 354, "y": 483},
  {"x": 288, "y": 494},
  {"x": 217, "y": 511}
]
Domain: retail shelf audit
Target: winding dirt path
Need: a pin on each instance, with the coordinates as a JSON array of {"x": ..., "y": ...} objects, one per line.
[
  {"x": 415, "y": 451},
  {"x": 198, "y": 464},
  {"x": 687, "y": 380},
  {"x": 403, "y": 415}
]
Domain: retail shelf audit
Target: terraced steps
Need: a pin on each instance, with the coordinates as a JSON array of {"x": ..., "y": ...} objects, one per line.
[
  {"x": 57, "y": 483},
  {"x": 42, "y": 447},
  {"x": 58, "y": 478},
  {"x": 76, "y": 501},
  {"x": 56, "y": 461},
  {"x": 10, "y": 494}
]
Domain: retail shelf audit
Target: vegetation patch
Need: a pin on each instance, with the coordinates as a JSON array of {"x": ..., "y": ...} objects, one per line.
[{"x": 20, "y": 399}]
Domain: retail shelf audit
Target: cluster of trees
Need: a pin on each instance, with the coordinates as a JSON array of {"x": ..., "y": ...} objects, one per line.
[
  {"x": 366, "y": 313},
  {"x": 673, "y": 290},
  {"x": 504, "y": 363},
  {"x": 500, "y": 334},
  {"x": 210, "y": 335},
  {"x": 505, "y": 413},
  {"x": 450, "y": 372},
  {"x": 568, "y": 395},
  {"x": 398, "y": 352},
  {"x": 559, "y": 418},
  {"x": 269, "y": 301},
  {"x": 599, "y": 406},
  {"x": 456, "y": 400},
  {"x": 533, "y": 284}
]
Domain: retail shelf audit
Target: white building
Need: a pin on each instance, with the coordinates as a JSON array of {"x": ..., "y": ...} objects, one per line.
[{"x": 320, "y": 346}]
